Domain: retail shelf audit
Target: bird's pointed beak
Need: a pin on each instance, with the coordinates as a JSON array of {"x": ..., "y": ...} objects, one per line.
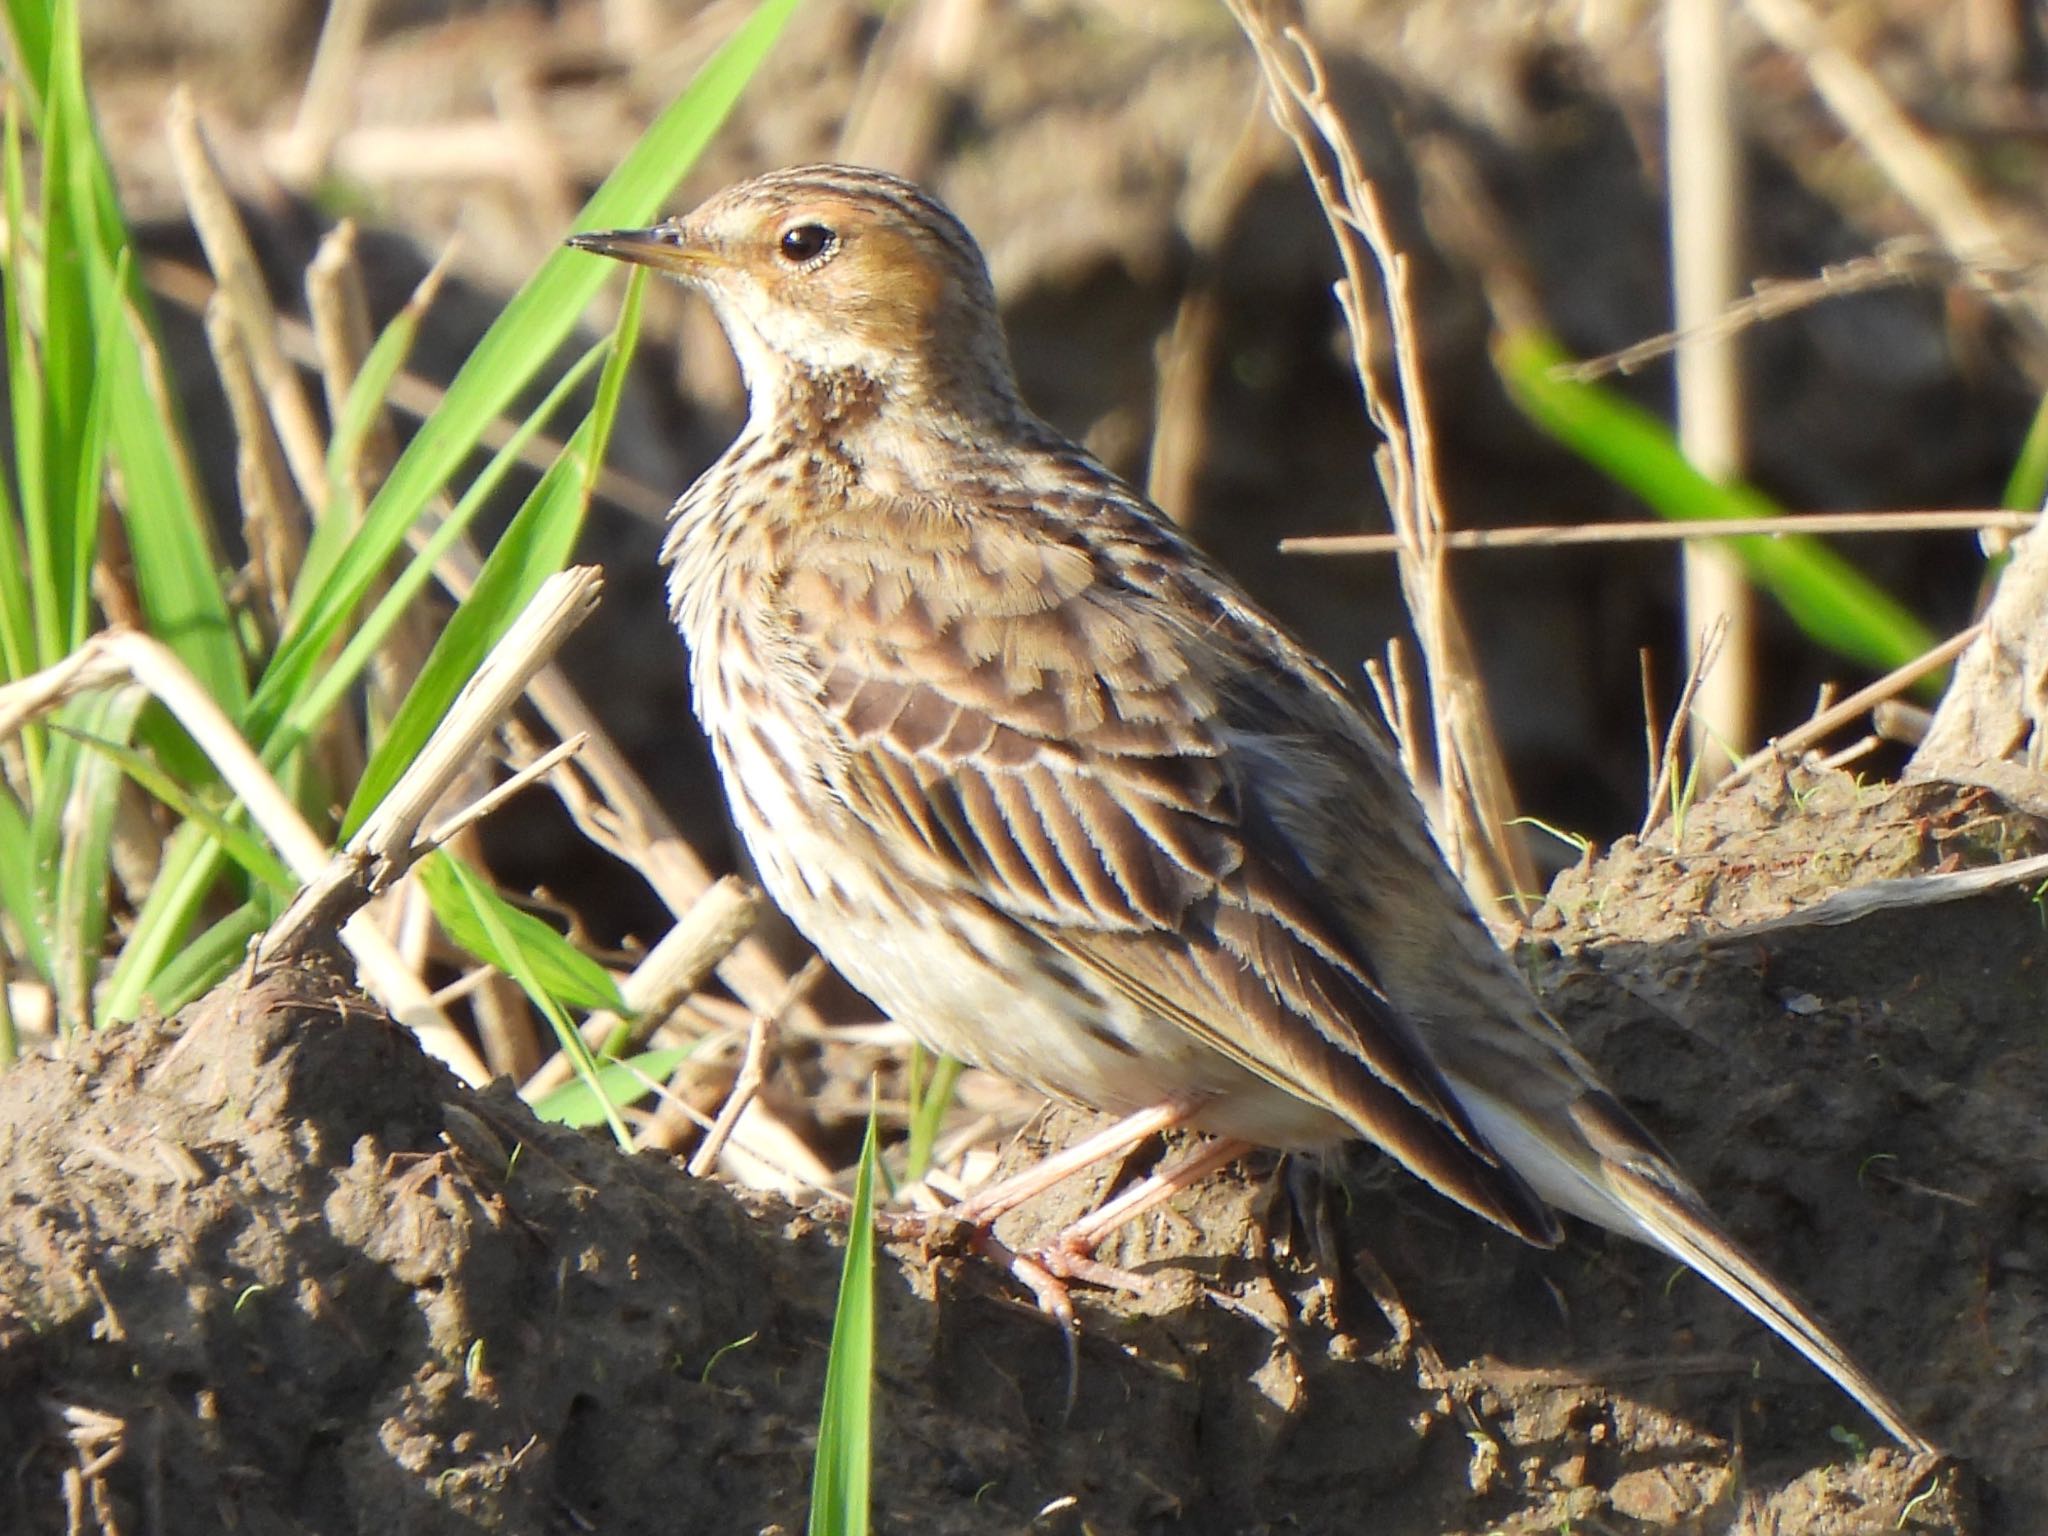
[{"x": 665, "y": 248}]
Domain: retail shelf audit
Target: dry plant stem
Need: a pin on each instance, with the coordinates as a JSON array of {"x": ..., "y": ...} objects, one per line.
[
  {"x": 623, "y": 816},
  {"x": 1860, "y": 901},
  {"x": 753, "y": 1069},
  {"x": 117, "y": 657},
  {"x": 1914, "y": 165},
  {"x": 1894, "y": 263},
  {"x": 273, "y": 517},
  {"x": 1996, "y": 710},
  {"x": 1187, "y": 358},
  {"x": 913, "y": 75},
  {"x": 671, "y": 971},
  {"x": 563, "y": 602},
  {"x": 491, "y": 799},
  {"x": 1705, "y": 656},
  {"x": 342, "y": 338},
  {"x": 388, "y": 842},
  {"x": 1473, "y": 805},
  {"x": 1835, "y": 717},
  {"x": 1653, "y": 758},
  {"x": 329, "y": 96},
  {"x": 1553, "y": 535},
  {"x": 241, "y": 278},
  {"x": 1704, "y": 157}
]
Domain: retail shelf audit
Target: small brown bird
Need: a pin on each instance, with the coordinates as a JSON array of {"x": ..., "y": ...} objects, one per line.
[{"x": 1054, "y": 793}]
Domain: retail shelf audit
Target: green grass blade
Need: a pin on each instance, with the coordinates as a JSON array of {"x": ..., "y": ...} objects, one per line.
[
  {"x": 536, "y": 322},
  {"x": 1829, "y": 598},
  {"x": 18, "y": 651},
  {"x": 617, "y": 1085},
  {"x": 485, "y": 906},
  {"x": 28, "y": 33},
  {"x": 19, "y": 894},
  {"x": 237, "y": 842},
  {"x": 313, "y": 697},
  {"x": 187, "y": 872},
  {"x": 86, "y": 794},
  {"x": 201, "y": 964},
  {"x": 63, "y": 358},
  {"x": 2027, "y": 487},
  {"x": 461, "y": 899},
  {"x": 177, "y": 570},
  {"x": 840, "y": 1477},
  {"x": 932, "y": 1080},
  {"x": 536, "y": 545}
]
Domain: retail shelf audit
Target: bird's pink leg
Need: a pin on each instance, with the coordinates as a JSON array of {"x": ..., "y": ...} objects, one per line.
[
  {"x": 1077, "y": 1242},
  {"x": 984, "y": 1206}
]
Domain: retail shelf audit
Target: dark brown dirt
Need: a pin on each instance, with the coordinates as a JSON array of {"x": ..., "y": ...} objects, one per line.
[{"x": 268, "y": 1269}]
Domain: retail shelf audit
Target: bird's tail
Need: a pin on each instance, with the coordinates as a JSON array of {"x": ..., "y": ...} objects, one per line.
[{"x": 1620, "y": 1178}]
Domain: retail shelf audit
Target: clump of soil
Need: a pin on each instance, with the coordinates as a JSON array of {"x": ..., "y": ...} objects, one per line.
[{"x": 267, "y": 1268}]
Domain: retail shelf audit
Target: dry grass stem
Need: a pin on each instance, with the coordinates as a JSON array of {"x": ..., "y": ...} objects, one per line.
[
  {"x": 613, "y": 807},
  {"x": 1653, "y": 740},
  {"x": 1187, "y": 357},
  {"x": 1836, "y": 716},
  {"x": 1653, "y": 531},
  {"x": 341, "y": 334},
  {"x": 753, "y": 1069},
  {"x": 1703, "y": 153},
  {"x": 301, "y": 155},
  {"x": 1860, "y": 901},
  {"x": 561, "y": 604},
  {"x": 115, "y": 658},
  {"x": 1906, "y": 156},
  {"x": 248, "y": 299},
  {"x": 388, "y": 843},
  {"x": 520, "y": 779},
  {"x": 273, "y": 517},
  {"x": 1472, "y": 806},
  {"x": 900, "y": 110},
  {"x": 670, "y": 973},
  {"x": 1705, "y": 655},
  {"x": 1897, "y": 721},
  {"x": 1895, "y": 263}
]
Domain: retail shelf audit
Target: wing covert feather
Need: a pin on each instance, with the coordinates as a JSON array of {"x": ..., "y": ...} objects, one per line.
[{"x": 1066, "y": 756}]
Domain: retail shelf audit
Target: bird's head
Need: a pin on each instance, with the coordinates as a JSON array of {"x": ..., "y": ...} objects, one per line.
[{"x": 836, "y": 274}]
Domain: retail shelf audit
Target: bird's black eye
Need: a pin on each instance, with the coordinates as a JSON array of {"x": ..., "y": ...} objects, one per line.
[{"x": 806, "y": 242}]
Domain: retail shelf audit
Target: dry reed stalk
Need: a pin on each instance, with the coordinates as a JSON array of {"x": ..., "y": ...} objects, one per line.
[
  {"x": 1704, "y": 160},
  {"x": 1473, "y": 807}
]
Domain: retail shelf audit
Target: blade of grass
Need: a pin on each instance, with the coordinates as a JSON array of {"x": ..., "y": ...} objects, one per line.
[
  {"x": 199, "y": 965},
  {"x": 82, "y": 830},
  {"x": 537, "y": 544},
  {"x": 618, "y": 1085},
  {"x": 187, "y": 869},
  {"x": 1828, "y": 597},
  {"x": 485, "y": 905},
  {"x": 840, "y": 1476},
  {"x": 19, "y": 894},
  {"x": 568, "y": 974},
  {"x": 169, "y": 532},
  {"x": 932, "y": 1079},
  {"x": 357, "y": 571},
  {"x": 238, "y": 842},
  {"x": 2027, "y": 487}
]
